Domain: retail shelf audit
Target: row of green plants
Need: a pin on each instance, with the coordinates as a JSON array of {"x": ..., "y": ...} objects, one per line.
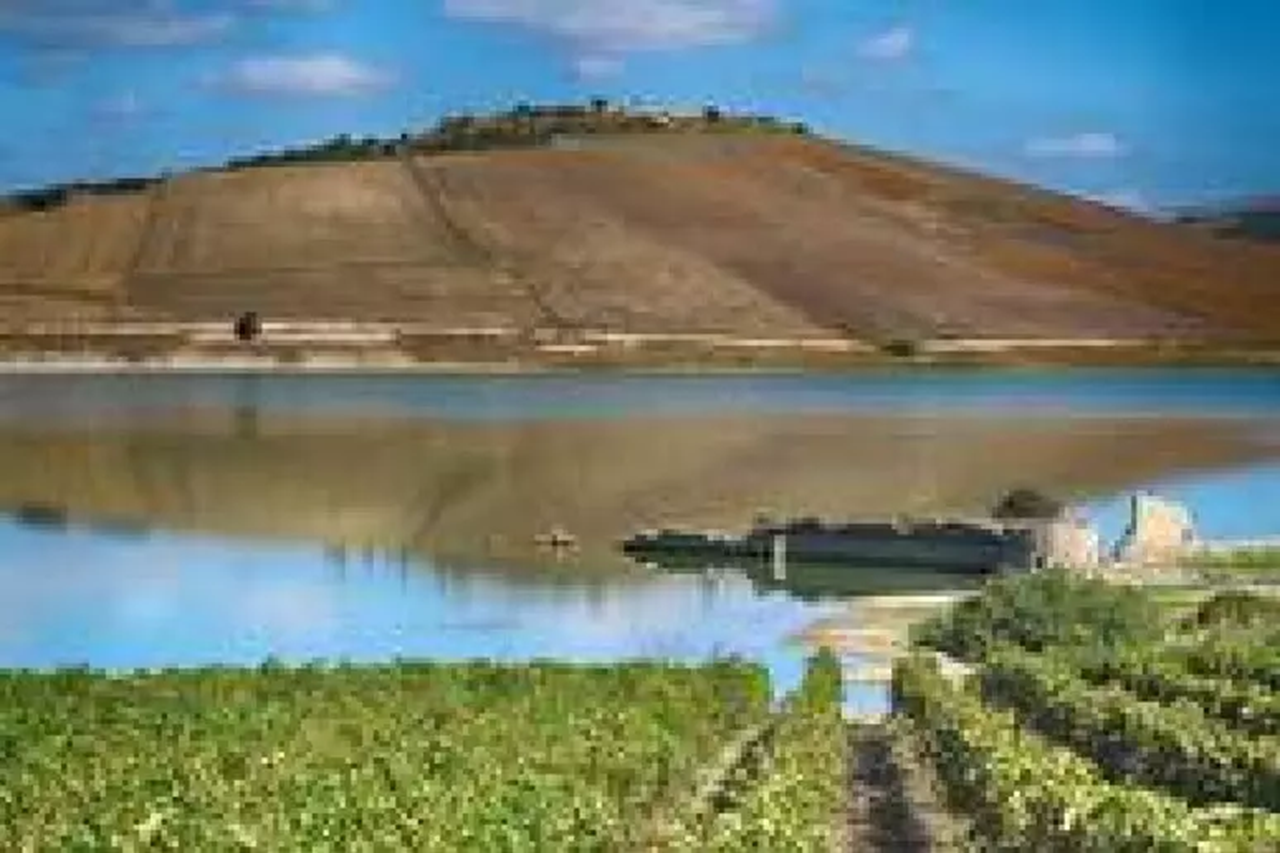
[
  {"x": 406, "y": 756},
  {"x": 1024, "y": 793},
  {"x": 1175, "y": 746},
  {"x": 791, "y": 796},
  {"x": 1239, "y": 658},
  {"x": 1153, "y": 674},
  {"x": 1260, "y": 559},
  {"x": 1234, "y": 610}
]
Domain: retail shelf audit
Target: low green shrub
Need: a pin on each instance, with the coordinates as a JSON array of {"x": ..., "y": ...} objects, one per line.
[
  {"x": 1043, "y": 610},
  {"x": 1237, "y": 609}
]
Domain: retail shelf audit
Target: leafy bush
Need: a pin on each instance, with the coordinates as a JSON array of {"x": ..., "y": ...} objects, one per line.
[
  {"x": 1043, "y": 610},
  {"x": 901, "y": 348},
  {"x": 1241, "y": 659},
  {"x": 1236, "y": 608}
]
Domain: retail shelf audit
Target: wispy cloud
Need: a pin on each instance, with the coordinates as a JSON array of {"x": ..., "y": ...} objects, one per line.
[
  {"x": 93, "y": 24},
  {"x": 315, "y": 76},
  {"x": 1099, "y": 145},
  {"x": 123, "y": 107},
  {"x": 293, "y": 5},
  {"x": 888, "y": 46},
  {"x": 600, "y": 33}
]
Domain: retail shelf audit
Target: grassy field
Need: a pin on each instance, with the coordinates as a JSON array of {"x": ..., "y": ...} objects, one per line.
[{"x": 419, "y": 757}]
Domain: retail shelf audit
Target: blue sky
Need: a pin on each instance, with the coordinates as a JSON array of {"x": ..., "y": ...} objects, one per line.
[{"x": 1144, "y": 102}]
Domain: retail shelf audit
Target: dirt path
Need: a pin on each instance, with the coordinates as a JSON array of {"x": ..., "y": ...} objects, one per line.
[{"x": 892, "y": 807}]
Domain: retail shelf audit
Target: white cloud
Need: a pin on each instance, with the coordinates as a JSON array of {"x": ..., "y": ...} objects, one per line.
[
  {"x": 601, "y": 32},
  {"x": 888, "y": 46},
  {"x": 1089, "y": 145},
  {"x": 317, "y": 75},
  {"x": 81, "y": 24}
]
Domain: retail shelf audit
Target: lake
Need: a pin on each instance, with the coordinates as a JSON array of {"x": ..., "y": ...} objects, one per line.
[{"x": 161, "y": 520}]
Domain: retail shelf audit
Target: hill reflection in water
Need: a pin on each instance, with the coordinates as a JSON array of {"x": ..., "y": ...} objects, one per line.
[{"x": 479, "y": 493}]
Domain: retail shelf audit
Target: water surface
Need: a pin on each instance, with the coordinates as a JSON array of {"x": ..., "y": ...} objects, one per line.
[
  {"x": 1155, "y": 391},
  {"x": 163, "y": 520}
]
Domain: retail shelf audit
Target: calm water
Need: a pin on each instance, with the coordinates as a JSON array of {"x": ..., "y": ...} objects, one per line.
[
  {"x": 1191, "y": 391},
  {"x": 172, "y": 588}
]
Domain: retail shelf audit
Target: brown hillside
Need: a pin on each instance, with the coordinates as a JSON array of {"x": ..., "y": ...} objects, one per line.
[{"x": 684, "y": 233}]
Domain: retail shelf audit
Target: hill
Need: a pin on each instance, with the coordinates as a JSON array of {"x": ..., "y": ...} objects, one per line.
[{"x": 571, "y": 218}]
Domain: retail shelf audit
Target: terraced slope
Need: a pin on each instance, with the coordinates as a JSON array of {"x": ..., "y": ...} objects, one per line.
[{"x": 681, "y": 233}]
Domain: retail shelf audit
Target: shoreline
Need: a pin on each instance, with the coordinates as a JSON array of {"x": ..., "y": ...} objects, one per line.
[
  {"x": 45, "y": 363},
  {"x": 346, "y": 346}
]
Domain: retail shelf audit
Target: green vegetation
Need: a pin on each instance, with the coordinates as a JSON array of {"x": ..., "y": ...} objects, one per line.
[
  {"x": 419, "y": 757},
  {"x": 416, "y": 756},
  {"x": 57, "y": 195},
  {"x": 1242, "y": 564},
  {"x": 1232, "y": 608},
  {"x": 1041, "y": 611},
  {"x": 1097, "y": 718},
  {"x": 901, "y": 348},
  {"x": 1249, "y": 659},
  {"x": 1152, "y": 674},
  {"x": 791, "y": 795},
  {"x": 1177, "y": 746},
  {"x": 524, "y": 126},
  {"x": 1026, "y": 794}
]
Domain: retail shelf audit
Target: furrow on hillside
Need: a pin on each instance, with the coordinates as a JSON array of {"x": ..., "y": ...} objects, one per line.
[
  {"x": 153, "y": 199},
  {"x": 430, "y": 182},
  {"x": 554, "y": 211}
]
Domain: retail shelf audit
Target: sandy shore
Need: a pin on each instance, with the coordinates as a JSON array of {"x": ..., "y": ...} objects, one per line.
[
  {"x": 104, "y": 364},
  {"x": 711, "y": 355}
]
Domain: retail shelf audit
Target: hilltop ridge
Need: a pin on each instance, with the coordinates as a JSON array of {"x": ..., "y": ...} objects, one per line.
[{"x": 523, "y": 126}]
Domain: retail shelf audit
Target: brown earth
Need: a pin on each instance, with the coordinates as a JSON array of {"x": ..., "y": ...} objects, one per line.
[
  {"x": 777, "y": 235},
  {"x": 481, "y": 492}
]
